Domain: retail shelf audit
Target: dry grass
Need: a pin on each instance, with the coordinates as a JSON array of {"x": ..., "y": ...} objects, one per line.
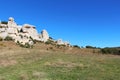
[
  {"x": 24, "y": 77},
  {"x": 18, "y": 63},
  {"x": 6, "y": 63},
  {"x": 39, "y": 75}
]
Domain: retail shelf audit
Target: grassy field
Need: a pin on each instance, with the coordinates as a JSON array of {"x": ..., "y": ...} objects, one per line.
[
  {"x": 34, "y": 64},
  {"x": 37, "y": 64}
]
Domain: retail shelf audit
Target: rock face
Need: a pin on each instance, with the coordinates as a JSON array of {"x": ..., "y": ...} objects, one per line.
[
  {"x": 22, "y": 34},
  {"x": 60, "y": 42}
]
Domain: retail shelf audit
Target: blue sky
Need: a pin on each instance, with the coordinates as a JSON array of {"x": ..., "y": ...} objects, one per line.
[{"x": 81, "y": 22}]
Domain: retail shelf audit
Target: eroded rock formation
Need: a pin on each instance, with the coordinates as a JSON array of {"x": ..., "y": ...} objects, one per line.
[{"x": 25, "y": 33}]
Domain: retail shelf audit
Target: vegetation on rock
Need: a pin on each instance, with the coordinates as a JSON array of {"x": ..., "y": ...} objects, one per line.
[{"x": 8, "y": 38}]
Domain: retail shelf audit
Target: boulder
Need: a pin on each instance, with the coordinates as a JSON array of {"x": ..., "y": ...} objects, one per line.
[
  {"x": 11, "y": 23},
  {"x": 30, "y": 29},
  {"x": 44, "y": 35},
  {"x": 60, "y": 42}
]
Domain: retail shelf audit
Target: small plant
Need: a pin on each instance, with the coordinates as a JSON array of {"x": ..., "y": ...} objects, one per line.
[
  {"x": 51, "y": 38},
  {"x": 21, "y": 36},
  {"x": 34, "y": 41},
  {"x": 27, "y": 45},
  {"x": 18, "y": 42},
  {"x": 4, "y": 22},
  {"x": 1, "y": 26},
  {"x": 1, "y": 38},
  {"x": 50, "y": 47},
  {"x": 8, "y": 38},
  {"x": 49, "y": 42}
]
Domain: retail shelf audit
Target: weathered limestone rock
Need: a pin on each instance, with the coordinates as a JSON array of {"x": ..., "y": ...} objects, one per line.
[
  {"x": 30, "y": 29},
  {"x": 25, "y": 33},
  {"x": 67, "y": 43},
  {"x": 22, "y": 38},
  {"x": 11, "y": 23},
  {"x": 60, "y": 42},
  {"x": 44, "y": 35},
  {"x": 3, "y": 25},
  {"x": 3, "y": 29},
  {"x": 3, "y": 35},
  {"x": 12, "y": 30}
]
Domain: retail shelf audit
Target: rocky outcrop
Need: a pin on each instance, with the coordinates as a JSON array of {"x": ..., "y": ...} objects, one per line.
[
  {"x": 25, "y": 33},
  {"x": 44, "y": 35},
  {"x": 31, "y": 31},
  {"x": 12, "y": 23},
  {"x": 22, "y": 34},
  {"x": 61, "y": 42}
]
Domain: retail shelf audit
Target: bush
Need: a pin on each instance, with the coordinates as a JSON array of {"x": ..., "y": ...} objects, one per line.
[
  {"x": 34, "y": 41},
  {"x": 50, "y": 38},
  {"x": 114, "y": 51},
  {"x": 91, "y": 47},
  {"x": 49, "y": 42},
  {"x": 4, "y": 22},
  {"x": 60, "y": 45},
  {"x": 8, "y": 38},
  {"x": 76, "y": 46},
  {"x": 1, "y": 38},
  {"x": 26, "y": 45}
]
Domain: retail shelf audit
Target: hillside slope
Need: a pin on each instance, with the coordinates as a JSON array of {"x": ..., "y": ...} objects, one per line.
[{"x": 48, "y": 62}]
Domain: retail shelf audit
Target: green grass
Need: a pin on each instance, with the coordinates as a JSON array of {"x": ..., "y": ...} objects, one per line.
[{"x": 34, "y": 64}]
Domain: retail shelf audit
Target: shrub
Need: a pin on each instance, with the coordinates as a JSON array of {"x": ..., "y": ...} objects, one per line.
[
  {"x": 60, "y": 46},
  {"x": 1, "y": 38},
  {"x": 50, "y": 47},
  {"x": 21, "y": 36},
  {"x": 34, "y": 41},
  {"x": 76, "y": 46},
  {"x": 4, "y": 22},
  {"x": 90, "y": 47},
  {"x": 50, "y": 38},
  {"x": 49, "y": 42},
  {"x": 26, "y": 45},
  {"x": 114, "y": 51},
  {"x": 8, "y": 38}
]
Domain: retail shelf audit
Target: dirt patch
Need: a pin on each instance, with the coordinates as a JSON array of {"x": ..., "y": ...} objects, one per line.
[
  {"x": 6, "y": 63},
  {"x": 64, "y": 64}
]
